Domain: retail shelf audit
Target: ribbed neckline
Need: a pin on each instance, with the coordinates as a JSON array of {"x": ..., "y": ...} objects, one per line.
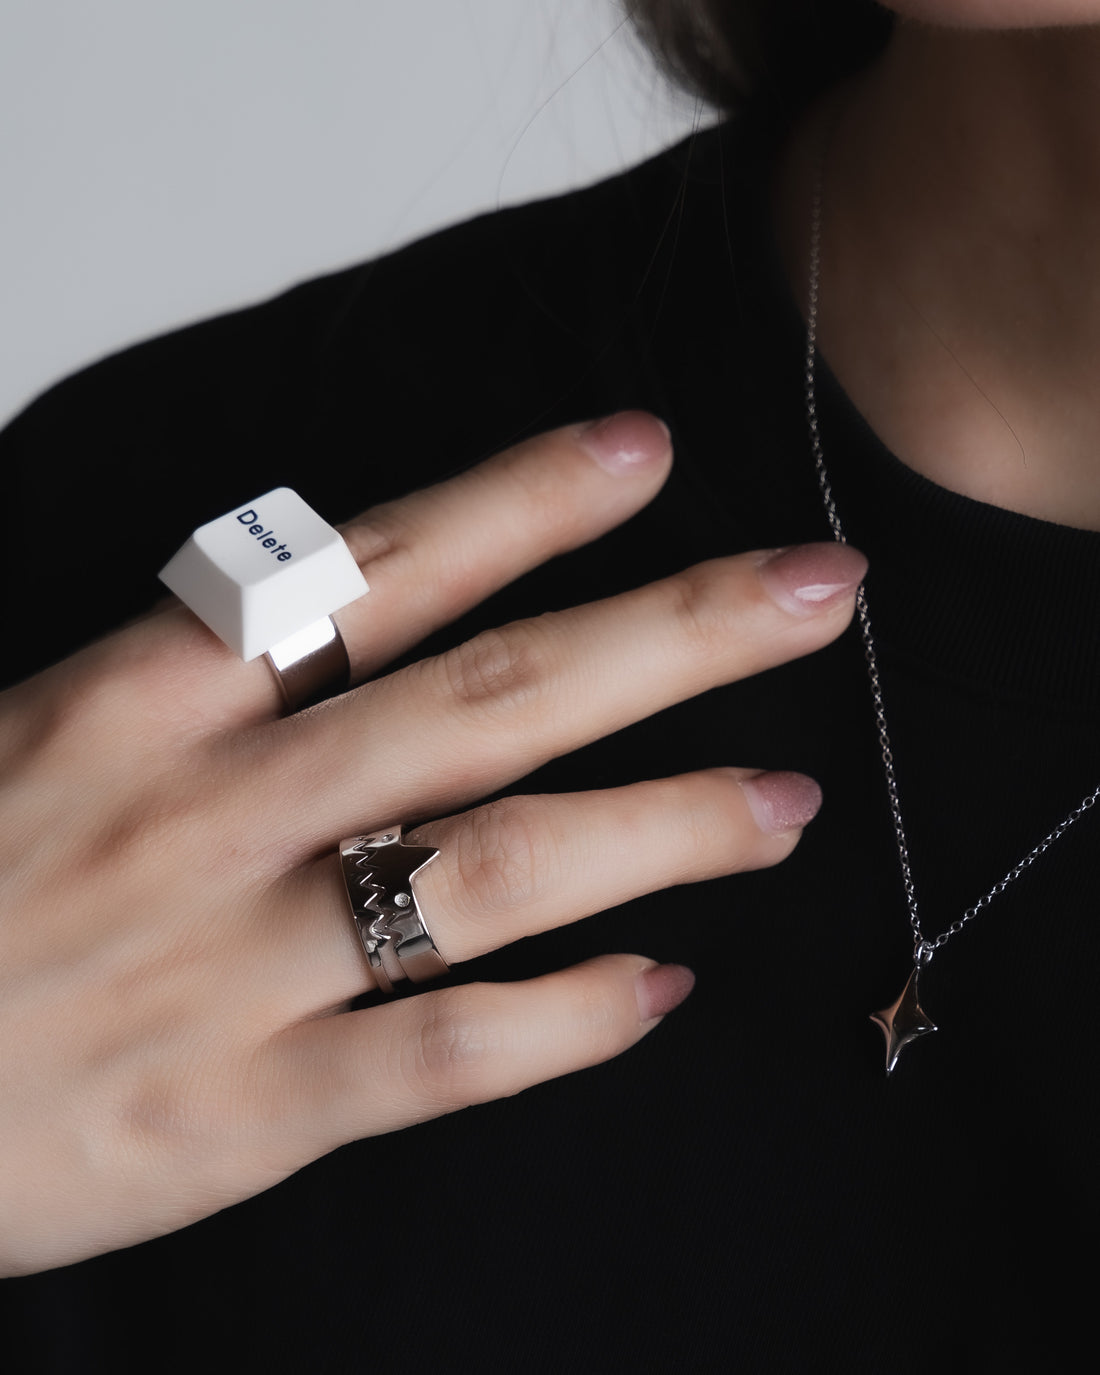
[
  {"x": 975, "y": 592},
  {"x": 1004, "y": 602}
]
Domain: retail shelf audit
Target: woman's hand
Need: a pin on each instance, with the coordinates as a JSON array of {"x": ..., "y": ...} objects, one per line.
[{"x": 173, "y": 928}]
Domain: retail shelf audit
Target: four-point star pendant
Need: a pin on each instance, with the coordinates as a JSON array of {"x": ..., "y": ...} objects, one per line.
[{"x": 903, "y": 1021}]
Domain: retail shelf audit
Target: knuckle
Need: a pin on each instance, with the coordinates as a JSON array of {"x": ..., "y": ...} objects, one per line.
[
  {"x": 159, "y": 1112},
  {"x": 547, "y": 502},
  {"x": 386, "y": 537},
  {"x": 158, "y": 1118},
  {"x": 455, "y": 1052},
  {"x": 717, "y": 834},
  {"x": 505, "y": 856},
  {"x": 149, "y": 824},
  {"x": 700, "y": 821},
  {"x": 703, "y": 609},
  {"x": 498, "y": 672},
  {"x": 599, "y": 1024},
  {"x": 181, "y": 1098}
]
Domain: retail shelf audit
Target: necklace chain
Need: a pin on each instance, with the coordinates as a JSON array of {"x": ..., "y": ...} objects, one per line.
[{"x": 924, "y": 949}]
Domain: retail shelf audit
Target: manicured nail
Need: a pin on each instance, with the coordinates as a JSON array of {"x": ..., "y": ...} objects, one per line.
[
  {"x": 781, "y": 802},
  {"x": 809, "y": 577},
  {"x": 626, "y": 442},
  {"x": 662, "y": 988}
]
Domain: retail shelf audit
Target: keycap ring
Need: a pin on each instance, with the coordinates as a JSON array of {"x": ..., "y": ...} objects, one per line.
[{"x": 266, "y": 578}]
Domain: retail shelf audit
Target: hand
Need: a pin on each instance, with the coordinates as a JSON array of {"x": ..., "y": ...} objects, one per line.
[{"x": 173, "y": 929}]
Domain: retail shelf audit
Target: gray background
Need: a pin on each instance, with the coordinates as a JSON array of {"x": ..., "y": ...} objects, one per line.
[{"x": 162, "y": 160}]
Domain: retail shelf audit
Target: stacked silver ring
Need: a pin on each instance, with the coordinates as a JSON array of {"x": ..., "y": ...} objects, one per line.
[{"x": 378, "y": 871}]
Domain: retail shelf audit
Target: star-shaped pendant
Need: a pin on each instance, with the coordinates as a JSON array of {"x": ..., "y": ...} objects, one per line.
[{"x": 903, "y": 1021}]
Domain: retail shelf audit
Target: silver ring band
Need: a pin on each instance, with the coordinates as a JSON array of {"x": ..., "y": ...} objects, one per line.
[
  {"x": 378, "y": 871},
  {"x": 310, "y": 665}
]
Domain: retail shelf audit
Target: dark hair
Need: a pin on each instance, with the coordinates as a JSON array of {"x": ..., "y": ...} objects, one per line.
[{"x": 786, "y": 50}]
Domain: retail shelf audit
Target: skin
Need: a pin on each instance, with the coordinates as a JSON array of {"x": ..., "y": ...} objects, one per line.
[
  {"x": 961, "y": 248},
  {"x": 186, "y": 1043}
]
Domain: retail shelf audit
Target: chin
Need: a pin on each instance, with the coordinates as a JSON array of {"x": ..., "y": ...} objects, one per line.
[{"x": 998, "y": 14}]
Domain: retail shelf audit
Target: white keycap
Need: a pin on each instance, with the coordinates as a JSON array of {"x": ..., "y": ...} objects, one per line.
[{"x": 264, "y": 571}]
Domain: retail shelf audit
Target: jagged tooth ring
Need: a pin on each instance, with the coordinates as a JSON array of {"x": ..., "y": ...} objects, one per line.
[{"x": 378, "y": 872}]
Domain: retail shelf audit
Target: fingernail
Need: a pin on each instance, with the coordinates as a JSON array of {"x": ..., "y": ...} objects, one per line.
[
  {"x": 626, "y": 442},
  {"x": 661, "y": 989},
  {"x": 809, "y": 577},
  {"x": 781, "y": 802}
]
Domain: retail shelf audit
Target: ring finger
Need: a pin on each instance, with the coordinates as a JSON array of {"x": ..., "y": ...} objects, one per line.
[{"x": 523, "y": 865}]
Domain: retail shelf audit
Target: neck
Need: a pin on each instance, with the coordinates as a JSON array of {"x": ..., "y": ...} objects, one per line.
[{"x": 961, "y": 260}]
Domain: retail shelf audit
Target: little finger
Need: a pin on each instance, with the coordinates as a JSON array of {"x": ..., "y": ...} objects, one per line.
[{"x": 337, "y": 1079}]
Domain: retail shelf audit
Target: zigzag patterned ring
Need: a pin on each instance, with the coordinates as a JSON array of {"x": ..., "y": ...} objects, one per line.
[{"x": 378, "y": 872}]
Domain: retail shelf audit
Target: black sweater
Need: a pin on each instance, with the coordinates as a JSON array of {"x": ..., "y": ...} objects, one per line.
[{"x": 744, "y": 1191}]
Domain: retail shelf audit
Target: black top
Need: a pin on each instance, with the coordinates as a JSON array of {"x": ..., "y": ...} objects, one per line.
[{"x": 744, "y": 1191}]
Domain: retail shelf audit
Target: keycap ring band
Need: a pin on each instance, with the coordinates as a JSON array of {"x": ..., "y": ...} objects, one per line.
[
  {"x": 310, "y": 665},
  {"x": 378, "y": 871}
]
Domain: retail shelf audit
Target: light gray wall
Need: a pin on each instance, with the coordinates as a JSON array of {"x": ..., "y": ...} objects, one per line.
[{"x": 162, "y": 160}]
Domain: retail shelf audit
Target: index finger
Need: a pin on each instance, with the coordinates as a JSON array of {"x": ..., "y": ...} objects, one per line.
[
  {"x": 427, "y": 557},
  {"x": 435, "y": 554}
]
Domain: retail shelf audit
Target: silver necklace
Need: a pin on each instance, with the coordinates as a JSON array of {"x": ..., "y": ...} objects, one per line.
[{"x": 904, "y": 1020}]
